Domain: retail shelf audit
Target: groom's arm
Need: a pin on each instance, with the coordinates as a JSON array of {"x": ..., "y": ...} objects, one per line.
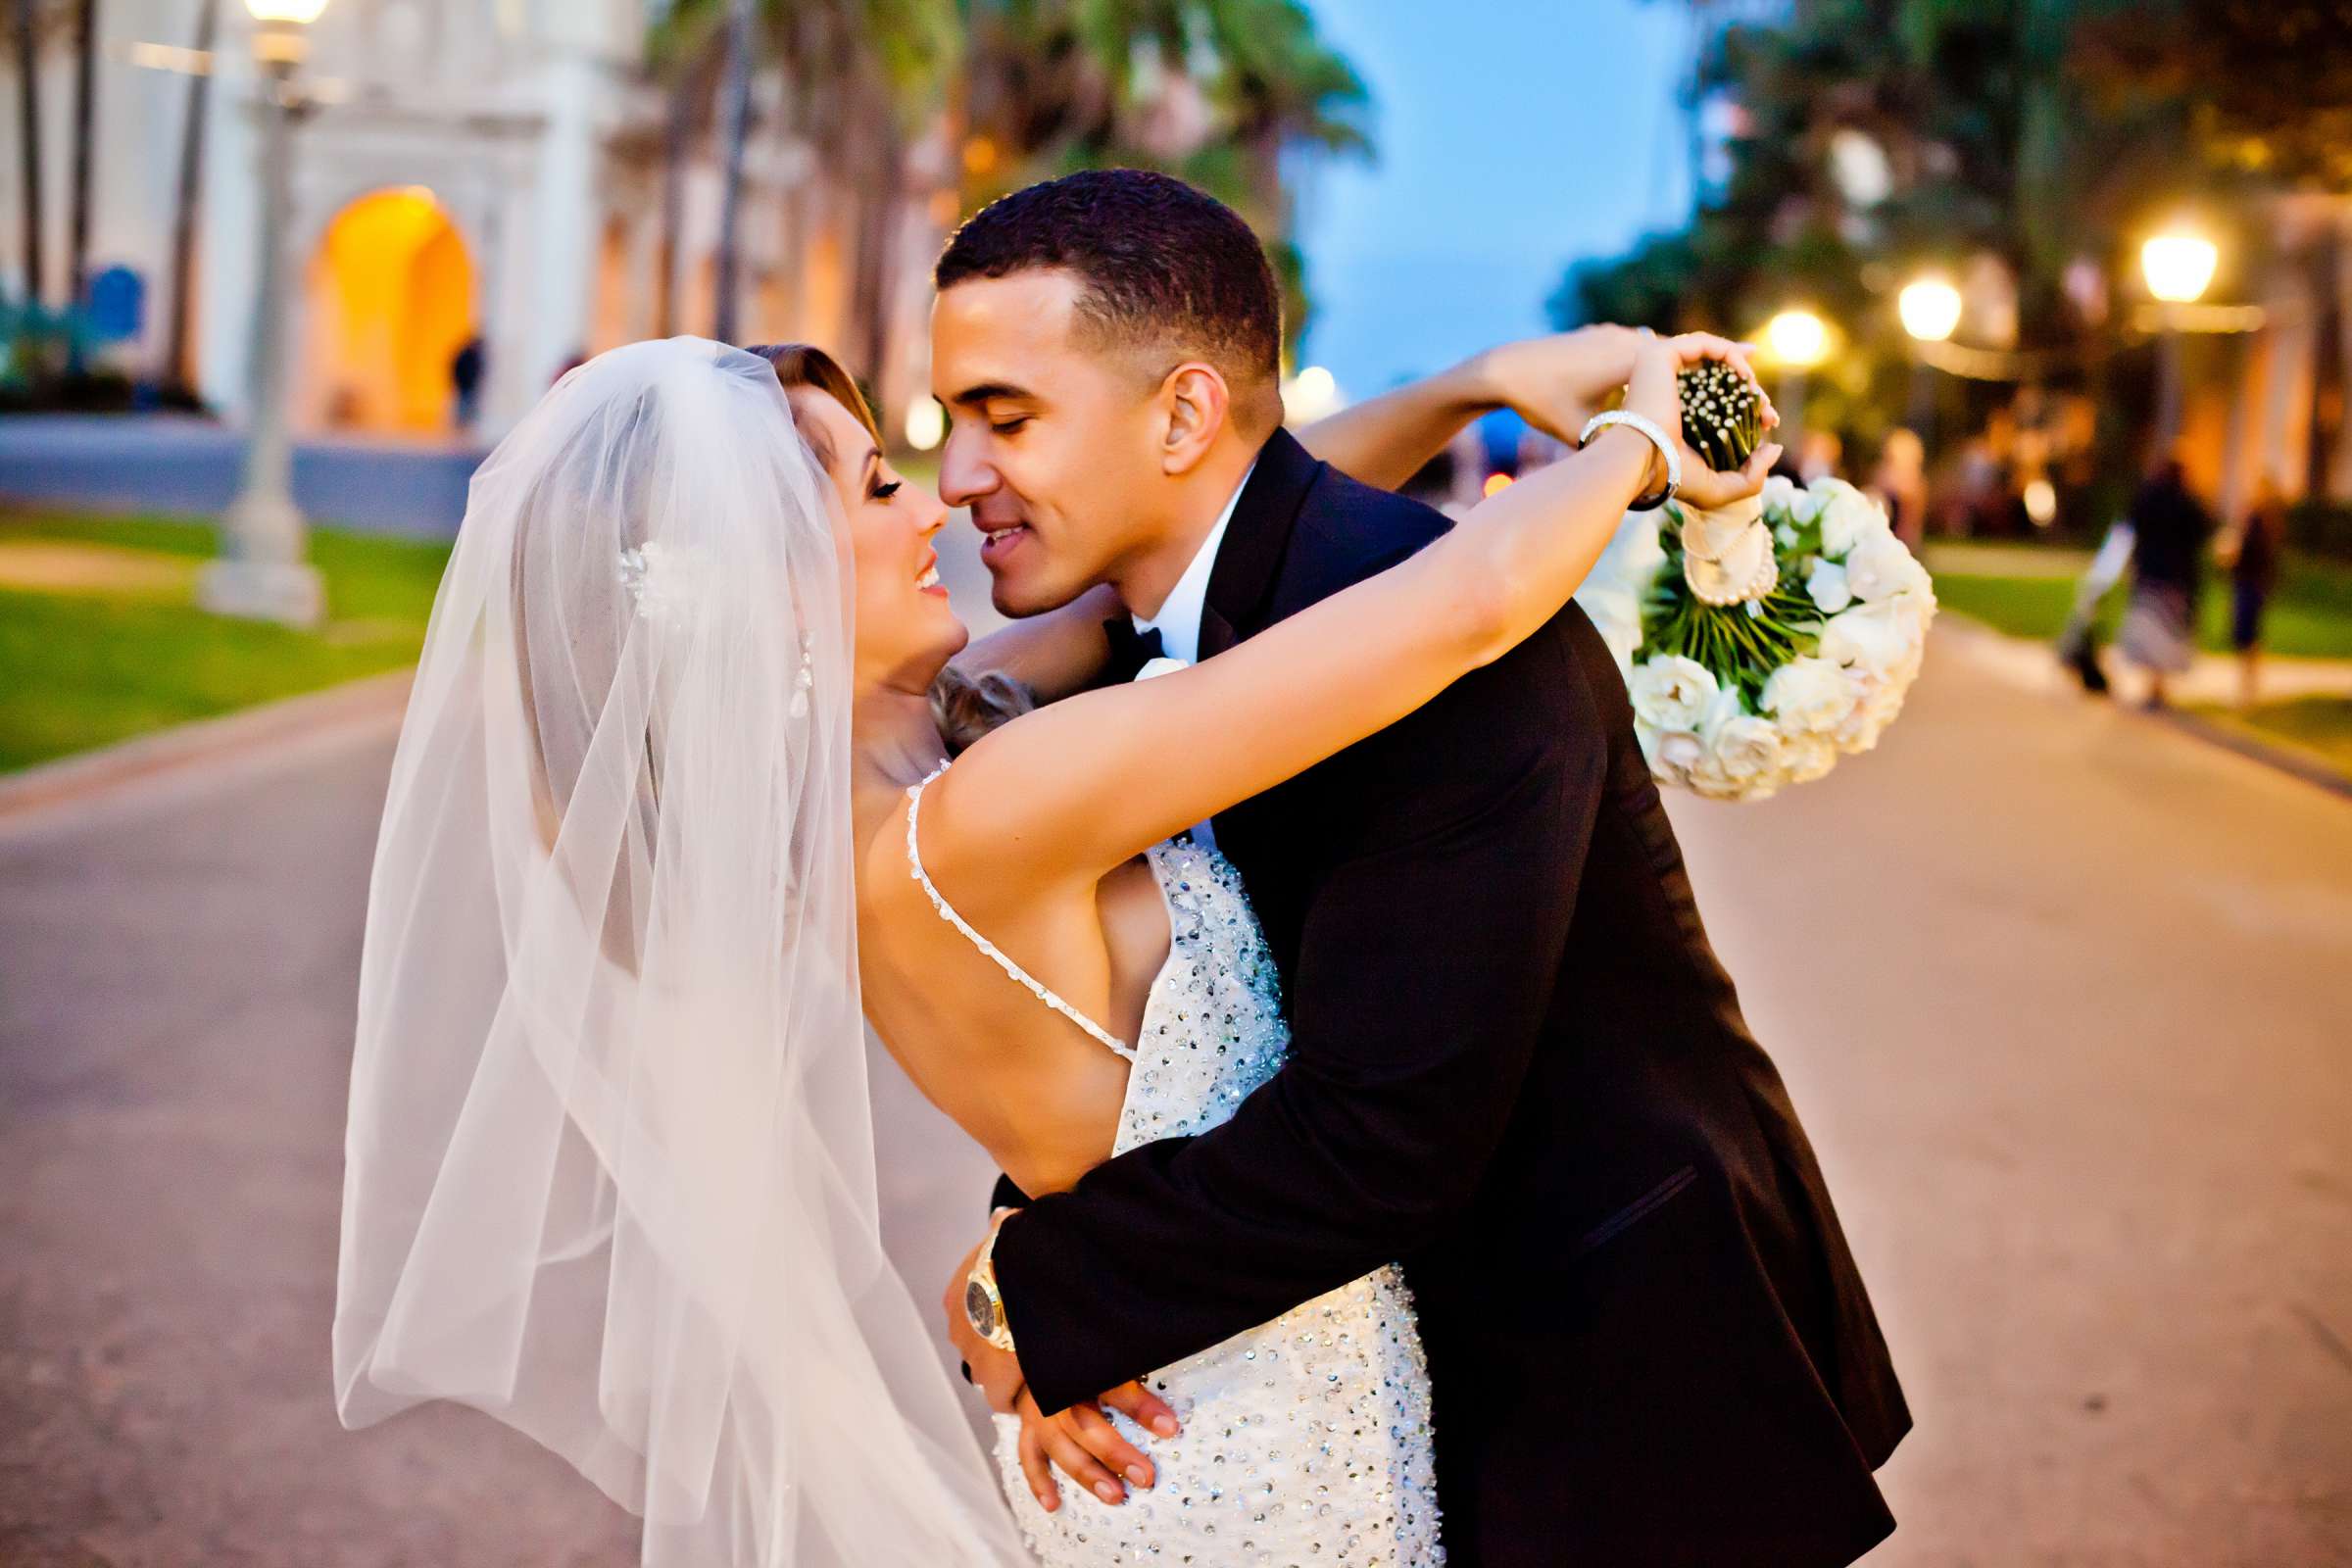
[{"x": 1427, "y": 964}]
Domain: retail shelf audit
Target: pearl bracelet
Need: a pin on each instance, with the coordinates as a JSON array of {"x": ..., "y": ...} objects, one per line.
[{"x": 1657, "y": 437}]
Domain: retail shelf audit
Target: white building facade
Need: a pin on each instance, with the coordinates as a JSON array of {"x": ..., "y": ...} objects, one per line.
[{"x": 472, "y": 169}]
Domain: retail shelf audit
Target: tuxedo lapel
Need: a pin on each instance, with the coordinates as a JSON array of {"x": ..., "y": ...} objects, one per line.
[{"x": 1250, "y": 561}]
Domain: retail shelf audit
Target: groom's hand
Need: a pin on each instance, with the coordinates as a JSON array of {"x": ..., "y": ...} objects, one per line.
[
  {"x": 996, "y": 1373},
  {"x": 1081, "y": 1439}
]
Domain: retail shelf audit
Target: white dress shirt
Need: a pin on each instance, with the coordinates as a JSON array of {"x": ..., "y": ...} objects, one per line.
[{"x": 1178, "y": 620}]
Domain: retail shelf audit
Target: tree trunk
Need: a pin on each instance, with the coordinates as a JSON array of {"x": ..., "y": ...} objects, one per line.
[
  {"x": 877, "y": 247},
  {"x": 675, "y": 137},
  {"x": 734, "y": 127},
  {"x": 28, "y": 103},
  {"x": 78, "y": 243},
  {"x": 174, "y": 369},
  {"x": 2340, "y": 478}
]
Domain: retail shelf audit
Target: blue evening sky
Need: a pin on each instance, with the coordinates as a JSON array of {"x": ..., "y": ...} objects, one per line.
[{"x": 1514, "y": 136}]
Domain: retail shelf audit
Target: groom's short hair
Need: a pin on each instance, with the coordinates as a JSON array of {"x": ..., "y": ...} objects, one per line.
[{"x": 1160, "y": 264}]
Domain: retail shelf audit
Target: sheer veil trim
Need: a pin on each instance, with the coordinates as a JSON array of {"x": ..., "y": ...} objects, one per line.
[{"x": 610, "y": 1168}]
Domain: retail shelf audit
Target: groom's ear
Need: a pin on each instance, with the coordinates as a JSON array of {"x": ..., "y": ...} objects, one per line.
[{"x": 1198, "y": 406}]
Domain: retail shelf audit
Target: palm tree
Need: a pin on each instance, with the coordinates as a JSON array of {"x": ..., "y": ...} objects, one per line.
[
  {"x": 28, "y": 105},
  {"x": 172, "y": 371},
  {"x": 1284, "y": 88},
  {"x": 77, "y": 241},
  {"x": 859, "y": 79},
  {"x": 738, "y": 111}
]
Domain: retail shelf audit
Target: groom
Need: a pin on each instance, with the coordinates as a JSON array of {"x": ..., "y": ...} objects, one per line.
[{"x": 1516, "y": 1066}]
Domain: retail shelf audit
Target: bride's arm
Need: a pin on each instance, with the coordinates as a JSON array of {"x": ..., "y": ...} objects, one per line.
[
  {"x": 1552, "y": 382},
  {"x": 1073, "y": 790}
]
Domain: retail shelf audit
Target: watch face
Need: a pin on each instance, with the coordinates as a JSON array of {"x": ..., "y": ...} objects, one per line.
[{"x": 980, "y": 1307}]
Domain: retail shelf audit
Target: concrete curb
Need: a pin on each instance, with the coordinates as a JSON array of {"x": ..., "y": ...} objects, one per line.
[
  {"x": 2034, "y": 664},
  {"x": 2285, "y": 759},
  {"x": 374, "y": 701}
]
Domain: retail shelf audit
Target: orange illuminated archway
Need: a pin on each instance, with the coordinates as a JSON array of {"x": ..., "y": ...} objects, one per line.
[{"x": 392, "y": 302}]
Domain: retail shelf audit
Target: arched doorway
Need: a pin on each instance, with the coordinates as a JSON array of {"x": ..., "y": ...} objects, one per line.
[{"x": 391, "y": 291}]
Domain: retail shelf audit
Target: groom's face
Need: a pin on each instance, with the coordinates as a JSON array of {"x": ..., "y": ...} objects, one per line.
[{"x": 1051, "y": 437}]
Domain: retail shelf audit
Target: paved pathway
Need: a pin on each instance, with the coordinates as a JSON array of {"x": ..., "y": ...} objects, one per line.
[{"x": 2062, "y": 995}]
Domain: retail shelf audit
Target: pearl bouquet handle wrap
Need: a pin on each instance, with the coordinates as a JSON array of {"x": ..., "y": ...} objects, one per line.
[{"x": 1762, "y": 643}]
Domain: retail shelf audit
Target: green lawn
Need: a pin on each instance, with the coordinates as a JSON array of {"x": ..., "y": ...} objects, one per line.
[
  {"x": 2319, "y": 726},
  {"x": 100, "y": 639},
  {"x": 2308, "y": 618}
]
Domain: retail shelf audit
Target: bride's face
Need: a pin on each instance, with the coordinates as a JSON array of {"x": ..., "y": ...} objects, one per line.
[{"x": 905, "y": 630}]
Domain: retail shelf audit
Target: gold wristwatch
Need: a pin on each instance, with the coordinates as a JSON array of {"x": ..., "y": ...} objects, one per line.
[{"x": 982, "y": 1305}]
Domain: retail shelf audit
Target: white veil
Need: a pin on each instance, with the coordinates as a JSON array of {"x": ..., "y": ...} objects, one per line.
[{"x": 610, "y": 1166}]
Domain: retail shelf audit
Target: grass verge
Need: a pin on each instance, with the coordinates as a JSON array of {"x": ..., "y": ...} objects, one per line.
[
  {"x": 2308, "y": 618},
  {"x": 100, "y": 638},
  {"x": 2318, "y": 727}
]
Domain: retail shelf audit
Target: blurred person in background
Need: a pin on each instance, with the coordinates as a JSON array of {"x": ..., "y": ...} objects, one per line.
[
  {"x": 2078, "y": 643},
  {"x": 2252, "y": 555},
  {"x": 2169, "y": 528},
  {"x": 1818, "y": 454},
  {"x": 465, "y": 368},
  {"x": 1901, "y": 485}
]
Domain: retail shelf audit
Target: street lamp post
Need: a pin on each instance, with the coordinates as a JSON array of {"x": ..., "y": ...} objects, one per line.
[
  {"x": 1931, "y": 311},
  {"x": 2178, "y": 266},
  {"x": 262, "y": 575}
]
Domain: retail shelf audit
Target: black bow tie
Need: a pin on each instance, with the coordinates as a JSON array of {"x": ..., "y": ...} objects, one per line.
[{"x": 1129, "y": 650}]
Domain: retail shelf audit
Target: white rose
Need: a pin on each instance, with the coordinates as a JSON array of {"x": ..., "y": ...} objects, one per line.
[
  {"x": 1808, "y": 695},
  {"x": 1808, "y": 757},
  {"x": 1722, "y": 709},
  {"x": 1710, "y": 781},
  {"x": 1859, "y": 730},
  {"x": 1871, "y": 639},
  {"x": 1617, "y": 615},
  {"x": 1880, "y": 567},
  {"x": 1780, "y": 495},
  {"x": 1847, "y": 516},
  {"x": 1681, "y": 750},
  {"x": 1786, "y": 535},
  {"x": 1671, "y": 691},
  {"x": 1670, "y": 754},
  {"x": 1651, "y": 738},
  {"x": 1746, "y": 748},
  {"x": 1633, "y": 556},
  {"x": 1828, "y": 585}
]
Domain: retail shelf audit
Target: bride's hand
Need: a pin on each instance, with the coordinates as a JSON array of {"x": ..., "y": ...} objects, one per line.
[
  {"x": 1554, "y": 383},
  {"x": 1654, "y": 392},
  {"x": 1083, "y": 1443}
]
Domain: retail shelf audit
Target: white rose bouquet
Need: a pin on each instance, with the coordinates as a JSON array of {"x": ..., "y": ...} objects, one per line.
[{"x": 1810, "y": 658}]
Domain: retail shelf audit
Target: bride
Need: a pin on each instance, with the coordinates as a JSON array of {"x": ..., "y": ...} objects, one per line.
[{"x": 671, "y": 789}]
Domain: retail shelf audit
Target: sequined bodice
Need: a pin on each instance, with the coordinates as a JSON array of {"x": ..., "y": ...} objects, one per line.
[
  {"x": 1306, "y": 1441},
  {"x": 1212, "y": 1025}
]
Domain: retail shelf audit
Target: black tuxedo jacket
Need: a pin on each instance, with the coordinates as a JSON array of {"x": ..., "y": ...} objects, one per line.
[{"x": 1518, "y": 1068}]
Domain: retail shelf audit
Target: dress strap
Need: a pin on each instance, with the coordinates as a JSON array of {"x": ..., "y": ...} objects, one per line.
[{"x": 947, "y": 912}]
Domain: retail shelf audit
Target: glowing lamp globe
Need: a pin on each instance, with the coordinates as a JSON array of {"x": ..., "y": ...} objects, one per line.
[
  {"x": 1929, "y": 308},
  {"x": 2178, "y": 266},
  {"x": 1798, "y": 339}
]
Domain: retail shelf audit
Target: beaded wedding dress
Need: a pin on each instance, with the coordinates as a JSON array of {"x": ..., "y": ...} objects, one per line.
[{"x": 1306, "y": 1441}]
